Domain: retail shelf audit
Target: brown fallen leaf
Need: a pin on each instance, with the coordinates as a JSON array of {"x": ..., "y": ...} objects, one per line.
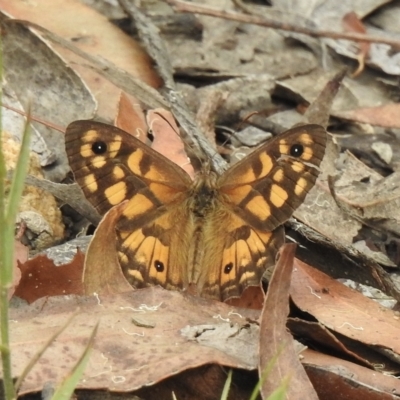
[
  {"x": 41, "y": 278},
  {"x": 318, "y": 112},
  {"x": 351, "y": 23},
  {"x": 387, "y": 115},
  {"x": 324, "y": 340},
  {"x": 276, "y": 341},
  {"x": 252, "y": 297},
  {"x": 130, "y": 118},
  {"x": 344, "y": 310},
  {"x": 202, "y": 383},
  {"x": 21, "y": 254},
  {"x": 144, "y": 337},
  {"x": 102, "y": 272},
  {"x": 97, "y": 37},
  {"x": 334, "y": 379},
  {"x": 167, "y": 141}
]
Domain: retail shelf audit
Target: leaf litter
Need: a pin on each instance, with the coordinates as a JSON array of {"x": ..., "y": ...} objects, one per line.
[{"x": 349, "y": 335}]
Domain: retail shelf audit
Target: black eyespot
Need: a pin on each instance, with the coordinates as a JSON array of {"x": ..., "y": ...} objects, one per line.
[
  {"x": 99, "y": 147},
  {"x": 228, "y": 268},
  {"x": 159, "y": 266},
  {"x": 296, "y": 150}
]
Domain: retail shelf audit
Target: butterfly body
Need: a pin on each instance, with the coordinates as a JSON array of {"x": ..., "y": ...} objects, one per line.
[{"x": 215, "y": 233}]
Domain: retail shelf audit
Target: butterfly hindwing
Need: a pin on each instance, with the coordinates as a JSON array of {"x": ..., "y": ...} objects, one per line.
[
  {"x": 158, "y": 252},
  {"x": 239, "y": 258}
]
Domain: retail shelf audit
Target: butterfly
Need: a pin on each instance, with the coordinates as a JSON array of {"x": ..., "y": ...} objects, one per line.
[{"x": 216, "y": 233}]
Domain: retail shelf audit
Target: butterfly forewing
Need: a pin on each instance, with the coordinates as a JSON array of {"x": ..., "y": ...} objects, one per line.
[
  {"x": 266, "y": 187},
  {"x": 112, "y": 166}
]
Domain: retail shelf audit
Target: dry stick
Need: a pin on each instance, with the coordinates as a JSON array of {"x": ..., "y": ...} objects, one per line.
[
  {"x": 182, "y": 6},
  {"x": 35, "y": 119},
  {"x": 119, "y": 77},
  {"x": 157, "y": 50},
  {"x": 206, "y": 114}
]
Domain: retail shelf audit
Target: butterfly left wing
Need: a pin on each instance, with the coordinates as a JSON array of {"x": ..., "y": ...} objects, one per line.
[
  {"x": 266, "y": 187},
  {"x": 112, "y": 166}
]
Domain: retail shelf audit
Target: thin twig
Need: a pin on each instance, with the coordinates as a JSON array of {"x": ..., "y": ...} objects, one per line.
[
  {"x": 183, "y": 6},
  {"x": 36, "y": 119}
]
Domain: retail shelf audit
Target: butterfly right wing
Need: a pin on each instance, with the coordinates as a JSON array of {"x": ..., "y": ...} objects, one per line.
[
  {"x": 267, "y": 186},
  {"x": 257, "y": 195},
  {"x": 238, "y": 259}
]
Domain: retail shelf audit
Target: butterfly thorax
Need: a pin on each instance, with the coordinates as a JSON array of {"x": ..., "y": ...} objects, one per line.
[{"x": 204, "y": 193}]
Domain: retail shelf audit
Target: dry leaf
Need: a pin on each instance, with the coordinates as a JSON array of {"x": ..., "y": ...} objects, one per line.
[
  {"x": 344, "y": 310},
  {"x": 351, "y": 23},
  {"x": 276, "y": 341},
  {"x": 387, "y": 115},
  {"x": 130, "y": 118},
  {"x": 40, "y": 277},
  {"x": 334, "y": 379},
  {"x": 102, "y": 272},
  {"x": 166, "y": 138},
  {"x": 99, "y": 36},
  {"x": 144, "y": 336}
]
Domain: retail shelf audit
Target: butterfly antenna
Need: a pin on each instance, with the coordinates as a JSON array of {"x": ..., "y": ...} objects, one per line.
[
  {"x": 164, "y": 119},
  {"x": 233, "y": 132},
  {"x": 247, "y": 118}
]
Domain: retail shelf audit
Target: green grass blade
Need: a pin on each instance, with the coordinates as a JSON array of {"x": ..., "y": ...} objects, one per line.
[
  {"x": 265, "y": 373},
  {"x": 17, "y": 186},
  {"x": 7, "y": 227},
  {"x": 5, "y": 267},
  {"x": 8, "y": 213},
  {"x": 280, "y": 392},
  {"x": 39, "y": 354},
  {"x": 65, "y": 391},
  {"x": 227, "y": 386}
]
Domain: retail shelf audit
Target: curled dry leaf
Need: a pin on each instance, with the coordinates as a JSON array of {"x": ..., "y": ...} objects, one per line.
[
  {"x": 334, "y": 379},
  {"x": 97, "y": 37},
  {"x": 130, "y": 118},
  {"x": 252, "y": 297},
  {"x": 166, "y": 138},
  {"x": 102, "y": 272},
  {"x": 322, "y": 338},
  {"x": 276, "y": 341},
  {"x": 21, "y": 254},
  {"x": 387, "y": 115},
  {"x": 352, "y": 23}
]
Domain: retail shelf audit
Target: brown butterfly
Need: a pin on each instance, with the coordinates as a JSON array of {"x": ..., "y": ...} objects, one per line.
[{"x": 218, "y": 233}]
